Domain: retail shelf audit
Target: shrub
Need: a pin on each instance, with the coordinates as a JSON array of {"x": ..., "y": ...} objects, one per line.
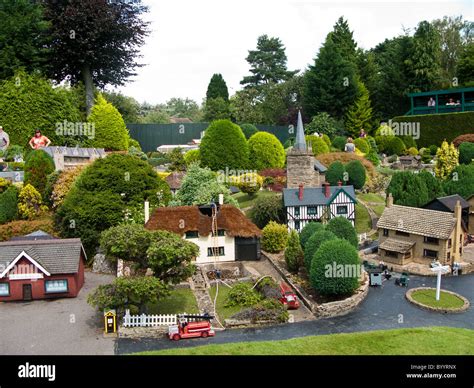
[
  {"x": 63, "y": 185},
  {"x": 339, "y": 142},
  {"x": 346, "y": 157},
  {"x": 38, "y": 166},
  {"x": 408, "y": 189},
  {"x": 8, "y": 204},
  {"x": 268, "y": 288},
  {"x": 110, "y": 130},
  {"x": 51, "y": 180},
  {"x": 409, "y": 141},
  {"x": 268, "y": 310},
  {"x": 382, "y": 142},
  {"x": 356, "y": 172},
  {"x": 447, "y": 158},
  {"x": 343, "y": 228},
  {"x": 274, "y": 178},
  {"x": 275, "y": 237},
  {"x": 362, "y": 145},
  {"x": 464, "y": 182},
  {"x": 23, "y": 227},
  {"x": 192, "y": 156},
  {"x": 177, "y": 162},
  {"x": 4, "y": 184},
  {"x": 327, "y": 140},
  {"x": 265, "y": 151},
  {"x": 395, "y": 146},
  {"x": 466, "y": 153},
  {"x": 242, "y": 294},
  {"x": 433, "y": 149},
  {"x": 30, "y": 203},
  {"x": 373, "y": 157},
  {"x": 293, "y": 252},
  {"x": 323, "y": 123},
  {"x": 13, "y": 152},
  {"x": 335, "y": 173},
  {"x": 249, "y": 183},
  {"x": 249, "y": 130},
  {"x": 317, "y": 144},
  {"x": 266, "y": 210},
  {"x": 313, "y": 245},
  {"x": 412, "y": 151},
  {"x": 308, "y": 230},
  {"x": 335, "y": 268},
  {"x": 467, "y": 138}
]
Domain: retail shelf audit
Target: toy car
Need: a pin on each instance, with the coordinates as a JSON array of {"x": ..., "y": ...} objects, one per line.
[
  {"x": 288, "y": 297},
  {"x": 185, "y": 329}
]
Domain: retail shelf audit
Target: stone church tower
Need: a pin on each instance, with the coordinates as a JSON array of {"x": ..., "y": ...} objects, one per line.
[{"x": 300, "y": 163}]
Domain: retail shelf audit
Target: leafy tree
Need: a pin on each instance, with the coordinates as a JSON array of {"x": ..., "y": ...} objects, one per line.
[
  {"x": 359, "y": 115},
  {"x": 466, "y": 153},
  {"x": 308, "y": 230},
  {"x": 447, "y": 158},
  {"x": 267, "y": 63},
  {"x": 343, "y": 228},
  {"x": 274, "y": 237},
  {"x": 460, "y": 181},
  {"x": 110, "y": 130},
  {"x": 169, "y": 256},
  {"x": 294, "y": 253},
  {"x": 128, "y": 107},
  {"x": 192, "y": 156},
  {"x": 335, "y": 256},
  {"x": 23, "y": 37},
  {"x": 155, "y": 116},
  {"x": 433, "y": 185},
  {"x": 249, "y": 130},
  {"x": 184, "y": 108},
  {"x": 177, "y": 161},
  {"x": 318, "y": 145},
  {"x": 465, "y": 68},
  {"x": 335, "y": 173},
  {"x": 38, "y": 166},
  {"x": 314, "y": 243},
  {"x": 322, "y": 123},
  {"x": 8, "y": 204},
  {"x": 357, "y": 174},
  {"x": 30, "y": 203},
  {"x": 266, "y": 210},
  {"x": 266, "y": 151},
  {"x": 201, "y": 186},
  {"x": 216, "y": 109},
  {"x": 224, "y": 146},
  {"x": 246, "y": 106},
  {"x": 408, "y": 189},
  {"x": 95, "y": 41},
  {"x": 330, "y": 84},
  {"x": 217, "y": 88}
]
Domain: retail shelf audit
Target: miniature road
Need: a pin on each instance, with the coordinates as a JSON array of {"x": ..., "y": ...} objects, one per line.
[{"x": 384, "y": 308}]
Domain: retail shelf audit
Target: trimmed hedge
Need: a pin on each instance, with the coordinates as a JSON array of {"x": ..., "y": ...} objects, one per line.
[
  {"x": 22, "y": 227},
  {"x": 38, "y": 166},
  {"x": 438, "y": 127},
  {"x": 274, "y": 237},
  {"x": 309, "y": 229},
  {"x": 9, "y": 205},
  {"x": 314, "y": 243},
  {"x": 466, "y": 153},
  {"x": 343, "y": 228},
  {"x": 265, "y": 151}
]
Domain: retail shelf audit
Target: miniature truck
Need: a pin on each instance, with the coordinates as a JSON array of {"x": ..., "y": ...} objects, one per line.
[
  {"x": 185, "y": 329},
  {"x": 288, "y": 297}
]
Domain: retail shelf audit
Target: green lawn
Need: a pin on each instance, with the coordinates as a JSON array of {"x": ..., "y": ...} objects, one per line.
[
  {"x": 245, "y": 200},
  {"x": 363, "y": 223},
  {"x": 378, "y": 209},
  {"x": 222, "y": 311},
  {"x": 181, "y": 300},
  {"x": 446, "y": 300},
  {"x": 419, "y": 341},
  {"x": 371, "y": 197}
]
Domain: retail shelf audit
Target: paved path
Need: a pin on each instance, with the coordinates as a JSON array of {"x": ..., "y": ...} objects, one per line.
[{"x": 384, "y": 308}]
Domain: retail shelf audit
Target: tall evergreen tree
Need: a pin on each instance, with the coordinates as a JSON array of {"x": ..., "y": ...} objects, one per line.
[
  {"x": 359, "y": 115},
  {"x": 95, "y": 41},
  {"x": 465, "y": 68},
  {"x": 217, "y": 88},
  {"x": 23, "y": 37},
  {"x": 343, "y": 38},
  {"x": 267, "y": 63}
]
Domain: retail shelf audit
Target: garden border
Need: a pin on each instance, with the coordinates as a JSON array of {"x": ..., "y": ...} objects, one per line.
[{"x": 437, "y": 309}]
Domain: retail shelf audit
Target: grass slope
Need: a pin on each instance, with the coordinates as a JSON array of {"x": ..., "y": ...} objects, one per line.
[{"x": 418, "y": 341}]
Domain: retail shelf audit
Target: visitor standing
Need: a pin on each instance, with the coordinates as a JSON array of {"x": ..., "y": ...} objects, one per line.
[{"x": 39, "y": 141}]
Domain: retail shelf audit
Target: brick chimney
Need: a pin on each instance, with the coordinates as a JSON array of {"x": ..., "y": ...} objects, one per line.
[
  {"x": 389, "y": 200},
  {"x": 458, "y": 233},
  {"x": 339, "y": 183},
  {"x": 326, "y": 190},
  {"x": 301, "y": 192}
]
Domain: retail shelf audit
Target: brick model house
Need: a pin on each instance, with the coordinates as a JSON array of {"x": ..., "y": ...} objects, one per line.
[
  {"x": 410, "y": 234},
  {"x": 41, "y": 268}
]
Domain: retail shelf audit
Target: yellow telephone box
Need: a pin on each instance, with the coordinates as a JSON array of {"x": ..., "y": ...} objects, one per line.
[{"x": 110, "y": 321}]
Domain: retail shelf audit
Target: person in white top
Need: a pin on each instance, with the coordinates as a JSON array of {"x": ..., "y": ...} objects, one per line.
[{"x": 4, "y": 139}]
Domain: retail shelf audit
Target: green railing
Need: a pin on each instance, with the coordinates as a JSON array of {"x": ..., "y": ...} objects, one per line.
[{"x": 462, "y": 97}]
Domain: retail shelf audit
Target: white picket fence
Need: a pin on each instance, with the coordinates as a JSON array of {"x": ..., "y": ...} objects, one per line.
[{"x": 144, "y": 320}]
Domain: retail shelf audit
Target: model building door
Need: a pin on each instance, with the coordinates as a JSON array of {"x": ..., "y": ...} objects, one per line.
[{"x": 27, "y": 294}]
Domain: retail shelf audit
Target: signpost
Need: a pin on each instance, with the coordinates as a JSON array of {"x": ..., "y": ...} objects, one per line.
[{"x": 439, "y": 270}]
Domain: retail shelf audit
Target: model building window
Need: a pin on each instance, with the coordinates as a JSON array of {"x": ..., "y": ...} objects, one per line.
[
  {"x": 220, "y": 232},
  {"x": 391, "y": 254},
  {"x": 342, "y": 210},
  {"x": 215, "y": 251},
  {"x": 192, "y": 234},
  {"x": 430, "y": 253},
  {"x": 385, "y": 232},
  {"x": 399, "y": 233},
  {"x": 4, "y": 289},
  {"x": 297, "y": 225},
  {"x": 450, "y": 243},
  {"x": 297, "y": 211},
  {"x": 312, "y": 211},
  {"x": 431, "y": 240},
  {"x": 56, "y": 285}
]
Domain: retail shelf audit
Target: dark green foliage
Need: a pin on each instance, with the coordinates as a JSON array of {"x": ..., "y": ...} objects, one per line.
[
  {"x": 216, "y": 109},
  {"x": 373, "y": 157},
  {"x": 267, "y": 310},
  {"x": 335, "y": 268},
  {"x": 339, "y": 142},
  {"x": 460, "y": 181},
  {"x": 322, "y": 123},
  {"x": 409, "y": 141},
  {"x": 395, "y": 146},
  {"x": 266, "y": 210},
  {"x": 8, "y": 205},
  {"x": 437, "y": 127},
  {"x": 433, "y": 149},
  {"x": 128, "y": 107},
  {"x": 466, "y": 64},
  {"x": 309, "y": 229},
  {"x": 217, "y": 88},
  {"x": 466, "y": 153},
  {"x": 408, "y": 189},
  {"x": 293, "y": 252},
  {"x": 224, "y": 145},
  {"x": 356, "y": 173},
  {"x": 48, "y": 190},
  {"x": 433, "y": 185},
  {"x": 248, "y": 130},
  {"x": 38, "y": 165},
  {"x": 242, "y": 294},
  {"x": 335, "y": 173},
  {"x": 177, "y": 162},
  {"x": 314, "y": 243},
  {"x": 362, "y": 145},
  {"x": 343, "y": 228}
]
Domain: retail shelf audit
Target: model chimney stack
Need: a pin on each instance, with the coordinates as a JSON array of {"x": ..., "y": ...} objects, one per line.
[
  {"x": 301, "y": 192},
  {"x": 339, "y": 183},
  {"x": 327, "y": 190},
  {"x": 389, "y": 200}
]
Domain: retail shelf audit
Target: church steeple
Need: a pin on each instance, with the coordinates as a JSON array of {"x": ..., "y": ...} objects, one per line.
[{"x": 300, "y": 142}]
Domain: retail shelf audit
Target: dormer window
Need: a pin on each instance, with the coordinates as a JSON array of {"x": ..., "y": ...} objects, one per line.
[{"x": 192, "y": 234}]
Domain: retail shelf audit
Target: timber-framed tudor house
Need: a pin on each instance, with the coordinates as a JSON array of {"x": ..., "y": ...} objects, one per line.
[{"x": 308, "y": 197}]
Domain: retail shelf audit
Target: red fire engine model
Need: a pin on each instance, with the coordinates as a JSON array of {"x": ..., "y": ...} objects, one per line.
[
  {"x": 288, "y": 297},
  {"x": 185, "y": 329}
]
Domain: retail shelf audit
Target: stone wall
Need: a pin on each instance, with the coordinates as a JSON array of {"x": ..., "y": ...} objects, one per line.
[
  {"x": 102, "y": 265},
  {"x": 300, "y": 170}
]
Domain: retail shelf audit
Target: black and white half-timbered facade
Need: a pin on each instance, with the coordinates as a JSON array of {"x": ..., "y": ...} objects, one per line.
[{"x": 318, "y": 204}]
